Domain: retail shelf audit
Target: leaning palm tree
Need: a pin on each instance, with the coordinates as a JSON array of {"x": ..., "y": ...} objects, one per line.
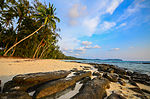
[{"x": 44, "y": 15}]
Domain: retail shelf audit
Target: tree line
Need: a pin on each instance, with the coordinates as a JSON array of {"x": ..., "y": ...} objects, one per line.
[{"x": 29, "y": 30}]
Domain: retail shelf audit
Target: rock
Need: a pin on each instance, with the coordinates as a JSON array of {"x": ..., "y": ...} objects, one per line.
[
  {"x": 15, "y": 95},
  {"x": 136, "y": 89},
  {"x": 53, "y": 87},
  {"x": 120, "y": 71},
  {"x": 96, "y": 73},
  {"x": 124, "y": 77},
  {"x": 140, "y": 96},
  {"x": 85, "y": 79},
  {"x": 111, "y": 76},
  {"x": 133, "y": 83},
  {"x": 146, "y": 91},
  {"x": 141, "y": 78},
  {"x": 129, "y": 73},
  {"x": 94, "y": 89},
  {"x": 122, "y": 82},
  {"x": 74, "y": 70},
  {"x": 28, "y": 82},
  {"x": 115, "y": 96},
  {"x": 110, "y": 70}
]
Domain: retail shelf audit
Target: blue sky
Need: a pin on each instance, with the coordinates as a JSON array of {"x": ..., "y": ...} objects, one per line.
[{"x": 104, "y": 28}]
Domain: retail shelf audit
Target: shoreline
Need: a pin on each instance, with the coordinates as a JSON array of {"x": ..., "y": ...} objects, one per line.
[{"x": 13, "y": 67}]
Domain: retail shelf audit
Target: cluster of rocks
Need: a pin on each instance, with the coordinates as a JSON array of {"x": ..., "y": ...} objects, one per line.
[
  {"x": 46, "y": 85},
  {"x": 116, "y": 74}
]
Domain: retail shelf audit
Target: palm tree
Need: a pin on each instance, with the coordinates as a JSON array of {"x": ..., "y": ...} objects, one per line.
[{"x": 44, "y": 15}]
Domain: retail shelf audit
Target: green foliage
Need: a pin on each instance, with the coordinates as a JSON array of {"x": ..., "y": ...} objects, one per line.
[{"x": 18, "y": 19}]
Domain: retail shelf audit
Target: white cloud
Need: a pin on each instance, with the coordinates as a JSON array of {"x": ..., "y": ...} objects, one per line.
[
  {"x": 113, "y": 5},
  {"x": 115, "y": 49},
  {"x": 86, "y": 43},
  {"x": 91, "y": 24},
  {"x": 75, "y": 12},
  {"x": 107, "y": 25},
  {"x": 80, "y": 49},
  {"x": 96, "y": 46},
  {"x": 121, "y": 25},
  {"x": 77, "y": 54}
]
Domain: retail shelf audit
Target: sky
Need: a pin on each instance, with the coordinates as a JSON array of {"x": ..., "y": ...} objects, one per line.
[{"x": 104, "y": 29}]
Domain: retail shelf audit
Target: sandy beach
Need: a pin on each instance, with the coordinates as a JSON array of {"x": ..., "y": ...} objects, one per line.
[{"x": 10, "y": 67}]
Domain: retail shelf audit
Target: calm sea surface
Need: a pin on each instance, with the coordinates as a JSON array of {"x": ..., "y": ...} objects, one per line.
[{"x": 138, "y": 66}]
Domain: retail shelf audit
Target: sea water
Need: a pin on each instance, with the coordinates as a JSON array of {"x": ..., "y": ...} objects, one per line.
[{"x": 137, "y": 66}]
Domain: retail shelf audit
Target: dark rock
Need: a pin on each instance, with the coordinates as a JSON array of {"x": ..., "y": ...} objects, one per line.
[
  {"x": 129, "y": 73},
  {"x": 96, "y": 73},
  {"x": 120, "y": 71},
  {"x": 115, "y": 96},
  {"x": 146, "y": 91},
  {"x": 74, "y": 70},
  {"x": 86, "y": 79},
  {"x": 122, "y": 82},
  {"x": 124, "y": 77},
  {"x": 140, "y": 96},
  {"x": 141, "y": 78},
  {"x": 94, "y": 89},
  {"x": 58, "y": 85},
  {"x": 110, "y": 70},
  {"x": 133, "y": 83},
  {"x": 25, "y": 82},
  {"x": 136, "y": 89},
  {"x": 15, "y": 95},
  {"x": 111, "y": 76}
]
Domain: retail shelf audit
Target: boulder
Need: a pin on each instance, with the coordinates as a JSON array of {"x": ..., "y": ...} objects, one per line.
[
  {"x": 115, "y": 96},
  {"x": 122, "y": 82},
  {"x": 141, "y": 78},
  {"x": 96, "y": 73},
  {"x": 94, "y": 89},
  {"x": 28, "y": 82},
  {"x": 15, "y": 95},
  {"x": 111, "y": 76},
  {"x": 133, "y": 83},
  {"x": 53, "y": 87}
]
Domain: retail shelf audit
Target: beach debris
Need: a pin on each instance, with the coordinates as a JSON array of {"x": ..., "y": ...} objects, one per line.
[
  {"x": 15, "y": 95},
  {"x": 28, "y": 82},
  {"x": 94, "y": 89},
  {"x": 58, "y": 85}
]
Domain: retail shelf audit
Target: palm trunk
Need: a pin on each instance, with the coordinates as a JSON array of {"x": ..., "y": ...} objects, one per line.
[
  {"x": 38, "y": 48},
  {"x": 23, "y": 40},
  {"x": 14, "y": 48},
  {"x": 44, "y": 51}
]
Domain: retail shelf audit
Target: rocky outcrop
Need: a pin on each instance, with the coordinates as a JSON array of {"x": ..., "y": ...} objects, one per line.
[
  {"x": 110, "y": 68},
  {"x": 94, "y": 89},
  {"x": 58, "y": 85},
  {"x": 141, "y": 78},
  {"x": 15, "y": 95},
  {"x": 28, "y": 82}
]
